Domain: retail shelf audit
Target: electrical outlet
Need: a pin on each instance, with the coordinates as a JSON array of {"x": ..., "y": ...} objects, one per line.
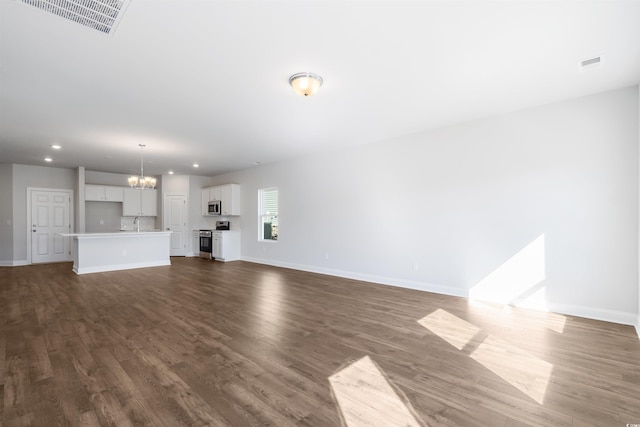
[
  {"x": 102, "y": 222},
  {"x": 326, "y": 255},
  {"x": 124, "y": 252},
  {"x": 416, "y": 266}
]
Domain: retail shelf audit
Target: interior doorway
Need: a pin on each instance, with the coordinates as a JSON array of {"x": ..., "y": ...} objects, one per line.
[
  {"x": 50, "y": 215},
  {"x": 174, "y": 218}
]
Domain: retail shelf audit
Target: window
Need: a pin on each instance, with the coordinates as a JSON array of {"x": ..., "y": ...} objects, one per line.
[{"x": 268, "y": 213}]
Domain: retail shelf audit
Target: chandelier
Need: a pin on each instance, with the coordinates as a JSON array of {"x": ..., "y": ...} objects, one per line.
[{"x": 141, "y": 181}]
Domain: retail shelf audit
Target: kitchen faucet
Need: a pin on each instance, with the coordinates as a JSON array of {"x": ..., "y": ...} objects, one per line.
[{"x": 136, "y": 222}]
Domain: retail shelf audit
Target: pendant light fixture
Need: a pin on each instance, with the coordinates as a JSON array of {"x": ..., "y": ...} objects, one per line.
[
  {"x": 305, "y": 84},
  {"x": 141, "y": 182}
]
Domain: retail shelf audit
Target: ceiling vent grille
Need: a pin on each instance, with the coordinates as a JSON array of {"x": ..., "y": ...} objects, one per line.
[
  {"x": 101, "y": 15},
  {"x": 589, "y": 64}
]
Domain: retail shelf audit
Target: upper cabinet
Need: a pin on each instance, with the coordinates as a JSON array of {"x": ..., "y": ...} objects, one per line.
[
  {"x": 103, "y": 193},
  {"x": 229, "y": 196},
  {"x": 140, "y": 202}
]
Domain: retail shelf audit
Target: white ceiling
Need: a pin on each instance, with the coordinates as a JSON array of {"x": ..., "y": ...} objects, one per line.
[{"x": 207, "y": 81}]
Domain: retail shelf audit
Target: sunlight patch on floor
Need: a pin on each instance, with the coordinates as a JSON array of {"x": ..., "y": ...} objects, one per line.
[
  {"x": 556, "y": 322},
  {"x": 450, "y": 328},
  {"x": 526, "y": 372},
  {"x": 366, "y": 397},
  {"x": 553, "y": 321},
  {"x": 518, "y": 280},
  {"x": 522, "y": 370}
]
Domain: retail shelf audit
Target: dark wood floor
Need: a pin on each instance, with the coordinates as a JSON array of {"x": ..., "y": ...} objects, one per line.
[{"x": 240, "y": 344}]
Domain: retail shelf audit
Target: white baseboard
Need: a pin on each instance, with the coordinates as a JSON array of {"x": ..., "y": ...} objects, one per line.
[
  {"x": 620, "y": 317},
  {"x": 13, "y": 263},
  {"x": 571, "y": 310},
  {"x": 114, "y": 267},
  {"x": 390, "y": 281}
]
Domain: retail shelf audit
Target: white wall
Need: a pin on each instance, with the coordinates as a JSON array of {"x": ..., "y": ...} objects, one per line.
[
  {"x": 444, "y": 209},
  {"x": 106, "y": 178},
  {"x": 6, "y": 214},
  {"x": 39, "y": 177},
  {"x": 79, "y": 202},
  {"x": 102, "y": 217}
]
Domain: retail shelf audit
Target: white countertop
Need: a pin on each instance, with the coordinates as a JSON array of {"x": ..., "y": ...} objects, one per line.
[{"x": 116, "y": 234}]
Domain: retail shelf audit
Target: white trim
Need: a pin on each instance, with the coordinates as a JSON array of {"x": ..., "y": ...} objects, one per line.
[
  {"x": 71, "y": 217},
  {"x": 620, "y": 317},
  {"x": 13, "y": 263},
  {"x": 165, "y": 226},
  {"x": 613, "y": 316},
  {"x": 389, "y": 281},
  {"x": 113, "y": 267}
]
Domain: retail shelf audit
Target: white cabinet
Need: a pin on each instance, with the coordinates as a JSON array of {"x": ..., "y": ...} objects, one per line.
[
  {"x": 195, "y": 244},
  {"x": 229, "y": 196},
  {"x": 103, "y": 193},
  {"x": 216, "y": 243},
  {"x": 215, "y": 193},
  {"x": 226, "y": 245},
  {"x": 205, "y": 201},
  {"x": 139, "y": 202}
]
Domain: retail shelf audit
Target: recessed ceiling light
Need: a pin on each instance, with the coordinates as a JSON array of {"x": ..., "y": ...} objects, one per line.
[
  {"x": 195, "y": 165},
  {"x": 48, "y": 159},
  {"x": 257, "y": 163},
  {"x": 56, "y": 146},
  {"x": 170, "y": 172}
]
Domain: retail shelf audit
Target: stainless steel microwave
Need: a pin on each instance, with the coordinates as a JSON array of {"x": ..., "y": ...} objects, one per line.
[{"x": 215, "y": 207}]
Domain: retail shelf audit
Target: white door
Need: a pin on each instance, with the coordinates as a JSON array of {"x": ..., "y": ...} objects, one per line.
[
  {"x": 175, "y": 219},
  {"x": 50, "y": 215}
]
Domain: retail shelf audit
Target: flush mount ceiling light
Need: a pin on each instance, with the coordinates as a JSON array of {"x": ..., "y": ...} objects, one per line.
[
  {"x": 305, "y": 84},
  {"x": 141, "y": 182}
]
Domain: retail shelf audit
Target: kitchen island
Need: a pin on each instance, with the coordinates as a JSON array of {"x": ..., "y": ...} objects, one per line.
[{"x": 97, "y": 252}]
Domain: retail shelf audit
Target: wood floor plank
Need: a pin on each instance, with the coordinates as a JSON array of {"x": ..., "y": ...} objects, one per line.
[{"x": 239, "y": 344}]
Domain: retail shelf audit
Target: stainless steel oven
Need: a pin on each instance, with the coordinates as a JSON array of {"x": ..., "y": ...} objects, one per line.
[{"x": 206, "y": 244}]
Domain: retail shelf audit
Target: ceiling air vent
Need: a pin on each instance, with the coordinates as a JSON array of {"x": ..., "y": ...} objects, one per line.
[
  {"x": 101, "y": 15},
  {"x": 588, "y": 64}
]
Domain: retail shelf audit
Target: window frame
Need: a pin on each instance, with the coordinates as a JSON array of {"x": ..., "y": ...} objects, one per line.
[{"x": 262, "y": 215}]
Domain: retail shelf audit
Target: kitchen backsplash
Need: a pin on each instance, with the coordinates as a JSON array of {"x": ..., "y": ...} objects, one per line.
[{"x": 146, "y": 223}]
